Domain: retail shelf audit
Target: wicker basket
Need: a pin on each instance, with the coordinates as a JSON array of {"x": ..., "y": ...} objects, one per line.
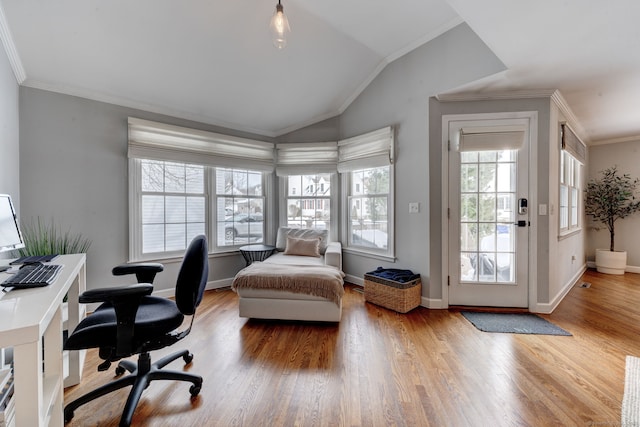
[{"x": 400, "y": 297}]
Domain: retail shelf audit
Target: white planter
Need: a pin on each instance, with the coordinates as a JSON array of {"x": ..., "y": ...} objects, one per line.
[{"x": 611, "y": 262}]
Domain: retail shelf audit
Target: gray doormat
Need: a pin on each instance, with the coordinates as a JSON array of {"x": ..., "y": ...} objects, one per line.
[{"x": 514, "y": 323}]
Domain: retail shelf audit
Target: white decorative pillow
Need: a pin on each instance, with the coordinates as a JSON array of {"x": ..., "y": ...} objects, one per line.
[
  {"x": 302, "y": 233},
  {"x": 302, "y": 247}
]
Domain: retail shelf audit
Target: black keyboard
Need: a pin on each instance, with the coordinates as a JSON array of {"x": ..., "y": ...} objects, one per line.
[{"x": 33, "y": 276}]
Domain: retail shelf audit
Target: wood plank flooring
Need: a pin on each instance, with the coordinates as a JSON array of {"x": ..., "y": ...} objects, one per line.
[{"x": 378, "y": 368}]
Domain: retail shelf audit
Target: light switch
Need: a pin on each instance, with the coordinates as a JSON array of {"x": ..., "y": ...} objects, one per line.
[
  {"x": 542, "y": 209},
  {"x": 414, "y": 207}
]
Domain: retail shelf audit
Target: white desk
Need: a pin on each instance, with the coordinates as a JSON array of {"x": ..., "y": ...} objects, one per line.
[{"x": 32, "y": 324}]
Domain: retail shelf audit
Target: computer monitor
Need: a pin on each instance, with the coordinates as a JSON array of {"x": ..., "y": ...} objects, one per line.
[{"x": 10, "y": 235}]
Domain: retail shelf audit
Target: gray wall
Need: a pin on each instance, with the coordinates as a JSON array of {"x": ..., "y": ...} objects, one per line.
[
  {"x": 74, "y": 171},
  {"x": 9, "y": 131},
  {"x": 399, "y": 96},
  {"x": 626, "y": 156},
  {"x": 324, "y": 131}
]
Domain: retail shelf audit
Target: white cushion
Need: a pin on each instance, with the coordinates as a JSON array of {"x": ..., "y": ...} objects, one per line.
[{"x": 302, "y": 233}]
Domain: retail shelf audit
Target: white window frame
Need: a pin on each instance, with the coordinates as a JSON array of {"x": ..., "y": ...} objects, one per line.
[
  {"x": 159, "y": 141},
  {"x": 333, "y": 200},
  {"x": 213, "y": 226},
  {"x": 387, "y": 254},
  {"x": 135, "y": 214},
  {"x": 569, "y": 220},
  {"x": 368, "y": 151}
]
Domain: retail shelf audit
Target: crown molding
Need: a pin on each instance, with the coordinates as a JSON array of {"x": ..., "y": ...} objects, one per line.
[
  {"x": 10, "y": 49},
  {"x": 488, "y": 96},
  {"x": 633, "y": 138},
  {"x": 577, "y": 128}
]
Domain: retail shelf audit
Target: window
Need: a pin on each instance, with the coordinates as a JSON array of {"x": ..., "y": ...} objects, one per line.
[
  {"x": 185, "y": 182},
  {"x": 572, "y": 157},
  {"x": 172, "y": 203},
  {"x": 239, "y": 206},
  {"x": 312, "y": 208},
  {"x": 569, "y": 192},
  {"x": 366, "y": 165},
  {"x": 307, "y": 172},
  {"x": 369, "y": 209},
  {"x": 175, "y": 206}
]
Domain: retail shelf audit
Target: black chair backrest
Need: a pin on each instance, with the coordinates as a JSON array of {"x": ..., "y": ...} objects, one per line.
[{"x": 192, "y": 278}]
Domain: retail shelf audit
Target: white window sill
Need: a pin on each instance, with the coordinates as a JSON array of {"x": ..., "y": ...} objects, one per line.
[
  {"x": 367, "y": 254},
  {"x": 569, "y": 233}
]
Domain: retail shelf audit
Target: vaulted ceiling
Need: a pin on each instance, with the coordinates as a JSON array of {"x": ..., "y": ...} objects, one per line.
[{"x": 213, "y": 61}]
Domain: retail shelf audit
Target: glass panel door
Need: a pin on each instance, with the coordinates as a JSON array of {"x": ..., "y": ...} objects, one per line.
[
  {"x": 487, "y": 200},
  {"x": 488, "y": 235}
]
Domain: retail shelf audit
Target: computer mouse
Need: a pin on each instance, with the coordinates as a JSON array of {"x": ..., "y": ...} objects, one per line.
[{"x": 31, "y": 263}]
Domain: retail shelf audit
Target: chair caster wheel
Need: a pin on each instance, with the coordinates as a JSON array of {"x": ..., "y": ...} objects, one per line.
[
  {"x": 188, "y": 358},
  {"x": 194, "y": 390},
  {"x": 68, "y": 416},
  {"x": 120, "y": 370}
]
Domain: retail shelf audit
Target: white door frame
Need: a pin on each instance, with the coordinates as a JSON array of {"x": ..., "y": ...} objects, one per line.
[{"x": 533, "y": 197}]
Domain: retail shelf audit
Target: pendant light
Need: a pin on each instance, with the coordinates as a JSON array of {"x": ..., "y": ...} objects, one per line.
[{"x": 279, "y": 27}]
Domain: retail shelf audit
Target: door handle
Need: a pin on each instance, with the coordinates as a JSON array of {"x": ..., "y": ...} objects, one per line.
[{"x": 522, "y": 223}]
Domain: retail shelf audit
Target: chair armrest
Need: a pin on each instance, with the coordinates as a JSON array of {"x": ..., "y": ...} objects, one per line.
[
  {"x": 333, "y": 255},
  {"x": 116, "y": 293},
  {"x": 125, "y": 300},
  {"x": 145, "y": 271}
]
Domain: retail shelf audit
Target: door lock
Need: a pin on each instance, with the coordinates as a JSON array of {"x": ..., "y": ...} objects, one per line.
[
  {"x": 522, "y": 206},
  {"x": 522, "y": 223}
]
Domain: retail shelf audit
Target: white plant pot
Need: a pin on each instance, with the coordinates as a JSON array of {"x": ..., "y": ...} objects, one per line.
[{"x": 611, "y": 262}]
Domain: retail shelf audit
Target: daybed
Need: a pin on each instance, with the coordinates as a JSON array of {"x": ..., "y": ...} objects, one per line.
[{"x": 302, "y": 280}]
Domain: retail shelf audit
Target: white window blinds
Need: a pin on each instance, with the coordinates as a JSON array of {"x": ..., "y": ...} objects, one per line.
[
  {"x": 373, "y": 149},
  {"x": 306, "y": 158},
  {"x": 572, "y": 144},
  {"x": 159, "y": 141},
  {"x": 492, "y": 138}
]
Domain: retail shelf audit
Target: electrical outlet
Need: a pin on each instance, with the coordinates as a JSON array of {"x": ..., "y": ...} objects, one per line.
[{"x": 414, "y": 207}]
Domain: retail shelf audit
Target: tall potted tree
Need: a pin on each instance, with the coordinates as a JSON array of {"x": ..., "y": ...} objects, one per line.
[{"x": 609, "y": 198}]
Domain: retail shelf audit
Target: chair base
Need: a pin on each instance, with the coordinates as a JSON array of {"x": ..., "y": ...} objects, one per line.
[{"x": 141, "y": 375}]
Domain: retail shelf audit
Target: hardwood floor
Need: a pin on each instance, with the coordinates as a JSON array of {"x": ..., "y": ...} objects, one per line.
[{"x": 377, "y": 367}]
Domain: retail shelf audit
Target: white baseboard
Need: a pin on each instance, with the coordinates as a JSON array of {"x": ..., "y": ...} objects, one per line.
[{"x": 547, "y": 308}]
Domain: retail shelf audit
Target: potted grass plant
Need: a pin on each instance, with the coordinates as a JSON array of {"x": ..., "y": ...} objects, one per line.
[
  {"x": 609, "y": 198},
  {"x": 45, "y": 238}
]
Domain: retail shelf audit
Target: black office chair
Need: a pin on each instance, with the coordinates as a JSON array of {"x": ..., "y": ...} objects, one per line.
[{"x": 131, "y": 321}]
